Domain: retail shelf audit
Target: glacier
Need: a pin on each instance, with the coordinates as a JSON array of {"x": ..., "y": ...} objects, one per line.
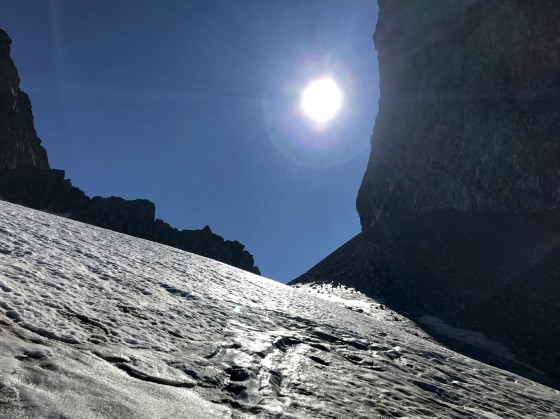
[{"x": 98, "y": 324}]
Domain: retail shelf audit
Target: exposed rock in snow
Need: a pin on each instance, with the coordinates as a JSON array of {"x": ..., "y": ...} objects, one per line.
[{"x": 94, "y": 323}]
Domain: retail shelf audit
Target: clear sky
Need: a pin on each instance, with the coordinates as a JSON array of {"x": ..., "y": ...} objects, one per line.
[{"x": 194, "y": 105}]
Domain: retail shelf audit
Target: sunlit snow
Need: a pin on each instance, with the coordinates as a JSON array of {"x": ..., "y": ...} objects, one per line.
[{"x": 99, "y": 324}]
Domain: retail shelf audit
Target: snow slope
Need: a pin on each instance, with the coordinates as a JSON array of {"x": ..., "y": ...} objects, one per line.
[{"x": 99, "y": 324}]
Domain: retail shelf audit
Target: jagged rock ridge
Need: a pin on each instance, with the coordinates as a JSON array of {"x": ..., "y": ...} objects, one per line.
[
  {"x": 26, "y": 179},
  {"x": 459, "y": 203},
  {"x": 496, "y": 274},
  {"x": 19, "y": 144}
]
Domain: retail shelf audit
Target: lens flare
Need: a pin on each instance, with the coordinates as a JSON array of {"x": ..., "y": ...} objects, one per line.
[{"x": 321, "y": 100}]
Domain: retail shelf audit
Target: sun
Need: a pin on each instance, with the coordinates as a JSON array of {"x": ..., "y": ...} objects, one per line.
[{"x": 321, "y": 100}]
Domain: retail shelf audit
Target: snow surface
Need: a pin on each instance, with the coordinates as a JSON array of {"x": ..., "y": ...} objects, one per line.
[{"x": 98, "y": 324}]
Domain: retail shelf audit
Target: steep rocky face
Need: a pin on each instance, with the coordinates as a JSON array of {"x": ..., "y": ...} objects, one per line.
[
  {"x": 19, "y": 144},
  {"x": 469, "y": 114}
]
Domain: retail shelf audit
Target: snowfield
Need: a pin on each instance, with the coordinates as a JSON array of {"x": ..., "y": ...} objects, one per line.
[{"x": 98, "y": 324}]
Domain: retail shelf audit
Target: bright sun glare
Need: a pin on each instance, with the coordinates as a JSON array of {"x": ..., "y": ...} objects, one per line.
[{"x": 321, "y": 100}]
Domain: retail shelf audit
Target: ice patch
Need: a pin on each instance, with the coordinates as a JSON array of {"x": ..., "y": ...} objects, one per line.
[{"x": 470, "y": 337}]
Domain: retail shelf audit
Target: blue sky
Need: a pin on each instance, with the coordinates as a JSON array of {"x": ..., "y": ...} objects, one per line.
[{"x": 194, "y": 106}]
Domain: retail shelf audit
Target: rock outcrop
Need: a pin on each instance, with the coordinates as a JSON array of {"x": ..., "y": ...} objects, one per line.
[
  {"x": 26, "y": 179},
  {"x": 19, "y": 144},
  {"x": 469, "y": 109},
  {"x": 493, "y": 273},
  {"x": 134, "y": 217},
  {"x": 459, "y": 203}
]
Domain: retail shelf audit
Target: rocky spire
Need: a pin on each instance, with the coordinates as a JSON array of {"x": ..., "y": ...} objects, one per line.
[{"x": 19, "y": 144}]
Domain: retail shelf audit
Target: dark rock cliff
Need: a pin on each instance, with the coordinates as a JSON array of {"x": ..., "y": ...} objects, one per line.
[
  {"x": 26, "y": 179},
  {"x": 469, "y": 109},
  {"x": 19, "y": 144},
  {"x": 459, "y": 203}
]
